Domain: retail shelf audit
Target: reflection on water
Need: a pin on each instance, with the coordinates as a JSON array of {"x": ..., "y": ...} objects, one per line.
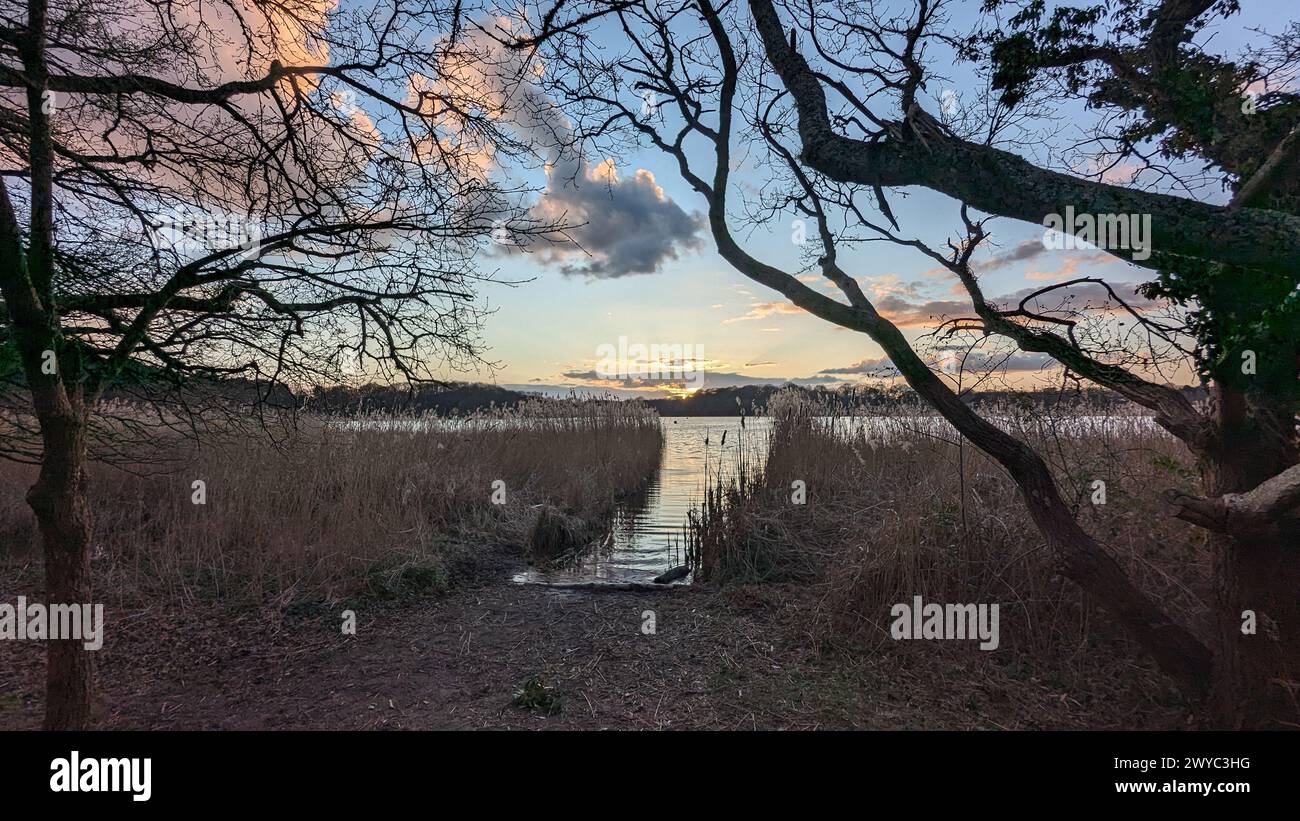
[
  {"x": 649, "y": 537},
  {"x": 649, "y": 528}
]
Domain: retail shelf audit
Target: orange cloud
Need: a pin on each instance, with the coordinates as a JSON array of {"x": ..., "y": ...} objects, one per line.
[{"x": 763, "y": 310}]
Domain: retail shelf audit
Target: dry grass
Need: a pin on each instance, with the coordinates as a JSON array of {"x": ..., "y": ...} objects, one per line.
[
  {"x": 899, "y": 507},
  {"x": 326, "y": 510},
  {"x": 396, "y": 502}
]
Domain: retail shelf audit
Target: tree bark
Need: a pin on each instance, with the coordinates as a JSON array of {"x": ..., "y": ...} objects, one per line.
[
  {"x": 1257, "y": 675},
  {"x": 63, "y": 514},
  {"x": 1257, "y": 682},
  {"x": 58, "y": 395},
  {"x": 1002, "y": 183}
]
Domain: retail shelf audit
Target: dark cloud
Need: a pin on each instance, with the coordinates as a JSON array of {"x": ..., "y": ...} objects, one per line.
[
  {"x": 1028, "y": 249},
  {"x": 736, "y": 380},
  {"x": 554, "y": 390},
  {"x": 675, "y": 378},
  {"x": 1009, "y": 362},
  {"x": 622, "y": 226},
  {"x": 878, "y": 366},
  {"x": 1084, "y": 296},
  {"x": 920, "y": 315},
  {"x": 953, "y": 358},
  {"x": 619, "y": 225},
  {"x": 706, "y": 379},
  {"x": 1087, "y": 296}
]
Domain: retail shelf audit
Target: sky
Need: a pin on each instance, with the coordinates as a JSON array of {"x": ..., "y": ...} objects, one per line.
[{"x": 654, "y": 280}]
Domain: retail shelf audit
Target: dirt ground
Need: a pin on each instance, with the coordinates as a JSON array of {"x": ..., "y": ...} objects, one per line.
[{"x": 741, "y": 659}]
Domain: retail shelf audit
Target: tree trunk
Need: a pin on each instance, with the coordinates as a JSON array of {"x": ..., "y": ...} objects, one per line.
[
  {"x": 1257, "y": 676},
  {"x": 63, "y": 514}
]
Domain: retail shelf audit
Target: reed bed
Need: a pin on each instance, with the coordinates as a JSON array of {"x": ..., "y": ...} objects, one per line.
[
  {"x": 327, "y": 508},
  {"x": 898, "y": 506}
]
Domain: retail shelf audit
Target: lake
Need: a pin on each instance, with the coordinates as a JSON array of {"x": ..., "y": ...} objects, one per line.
[
  {"x": 649, "y": 530},
  {"x": 648, "y": 534}
]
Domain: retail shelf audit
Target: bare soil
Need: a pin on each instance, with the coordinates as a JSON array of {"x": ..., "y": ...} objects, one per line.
[{"x": 737, "y": 659}]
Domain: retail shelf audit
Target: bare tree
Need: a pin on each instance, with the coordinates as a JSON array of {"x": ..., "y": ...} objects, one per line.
[
  {"x": 834, "y": 91},
  {"x": 269, "y": 189}
]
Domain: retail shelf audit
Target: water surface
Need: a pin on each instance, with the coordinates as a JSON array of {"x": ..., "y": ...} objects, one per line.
[
  {"x": 649, "y": 529},
  {"x": 648, "y": 534}
]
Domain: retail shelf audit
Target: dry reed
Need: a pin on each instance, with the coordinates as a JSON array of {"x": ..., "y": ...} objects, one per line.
[
  {"x": 898, "y": 506},
  {"x": 326, "y": 508}
]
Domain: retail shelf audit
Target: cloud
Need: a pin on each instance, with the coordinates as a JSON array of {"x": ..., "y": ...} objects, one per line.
[
  {"x": 592, "y": 378},
  {"x": 736, "y": 380},
  {"x": 616, "y": 225},
  {"x": 1022, "y": 252},
  {"x": 1087, "y": 296},
  {"x": 708, "y": 379},
  {"x": 1108, "y": 169},
  {"x": 865, "y": 367},
  {"x": 951, "y": 359},
  {"x": 921, "y": 315},
  {"x": 1070, "y": 267},
  {"x": 993, "y": 361},
  {"x": 763, "y": 310},
  {"x": 200, "y": 45},
  {"x": 886, "y": 285},
  {"x": 1080, "y": 297},
  {"x": 622, "y": 226},
  {"x": 1026, "y": 250}
]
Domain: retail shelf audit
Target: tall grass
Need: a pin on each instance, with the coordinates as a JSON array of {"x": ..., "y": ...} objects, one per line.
[
  {"x": 324, "y": 509},
  {"x": 899, "y": 506}
]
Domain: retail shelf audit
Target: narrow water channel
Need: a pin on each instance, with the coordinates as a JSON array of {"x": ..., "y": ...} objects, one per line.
[{"x": 649, "y": 529}]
